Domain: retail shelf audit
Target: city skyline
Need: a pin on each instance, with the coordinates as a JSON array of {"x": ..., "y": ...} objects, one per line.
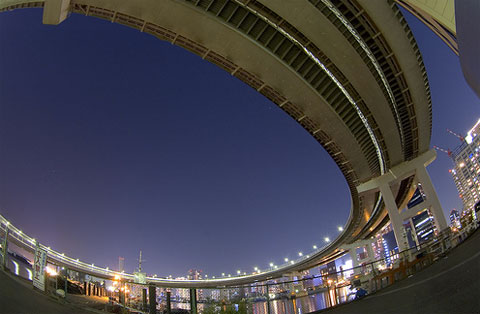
[{"x": 281, "y": 131}]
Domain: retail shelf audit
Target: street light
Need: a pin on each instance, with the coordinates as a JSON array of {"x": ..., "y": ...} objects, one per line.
[
  {"x": 314, "y": 247},
  {"x": 300, "y": 254},
  {"x": 286, "y": 259},
  {"x": 340, "y": 228},
  {"x": 327, "y": 239}
]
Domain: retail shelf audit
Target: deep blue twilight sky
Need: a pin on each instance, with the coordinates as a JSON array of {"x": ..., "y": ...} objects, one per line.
[{"x": 112, "y": 141}]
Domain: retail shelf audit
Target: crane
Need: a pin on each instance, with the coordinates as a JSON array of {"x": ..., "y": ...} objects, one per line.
[
  {"x": 461, "y": 138},
  {"x": 446, "y": 151}
]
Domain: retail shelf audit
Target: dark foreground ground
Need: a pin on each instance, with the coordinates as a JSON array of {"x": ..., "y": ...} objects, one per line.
[
  {"x": 18, "y": 297},
  {"x": 451, "y": 285}
]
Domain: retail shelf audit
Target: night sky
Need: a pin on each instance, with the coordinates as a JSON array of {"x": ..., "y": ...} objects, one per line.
[{"x": 112, "y": 141}]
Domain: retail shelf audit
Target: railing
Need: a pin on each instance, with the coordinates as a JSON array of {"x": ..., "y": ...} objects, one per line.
[
  {"x": 28, "y": 243},
  {"x": 302, "y": 293}
]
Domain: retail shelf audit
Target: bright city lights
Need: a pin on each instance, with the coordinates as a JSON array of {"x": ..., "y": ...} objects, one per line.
[
  {"x": 314, "y": 247},
  {"x": 340, "y": 228},
  {"x": 327, "y": 239},
  {"x": 52, "y": 272}
]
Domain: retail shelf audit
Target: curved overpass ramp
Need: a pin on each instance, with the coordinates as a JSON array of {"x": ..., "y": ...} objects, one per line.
[{"x": 348, "y": 71}]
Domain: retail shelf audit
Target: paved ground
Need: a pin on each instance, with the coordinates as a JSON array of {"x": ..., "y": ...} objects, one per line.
[
  {"x": 17, "y": 297},
  {"x": 451, "y": 285}
]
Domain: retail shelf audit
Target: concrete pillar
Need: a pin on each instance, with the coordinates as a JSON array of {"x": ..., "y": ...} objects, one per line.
[
  {"x": 371, "y": 255},
  {"x": 169, "y": 304},
  {"x": 394, "y": 215},
  {"x": 152, "y": 299},
  {"x": 85, "y": 288},
  {"x": 414, "y": 232},
  {"x": 353, "y": 255},
  {"x": 66, "y": 282},
  {"x": 144, "y": 299},
  {"x": 55, "y": 11},
  {"x": 268, "y": 300},
  {"x": 432, "y": 198},
  {"x": 89, "y": 289},
  {"x": 193, "y": 301},
  {"x": 5, "y": 249}
]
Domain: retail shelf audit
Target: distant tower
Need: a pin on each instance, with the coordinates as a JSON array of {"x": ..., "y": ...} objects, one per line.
[
  {"x": 194, "y": 274},
  {"x": 140, "y": 260},
  {"x": 121, "y": 264}
]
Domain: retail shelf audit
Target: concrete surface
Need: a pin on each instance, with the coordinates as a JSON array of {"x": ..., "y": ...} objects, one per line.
[{"x": 451, "y": 285}]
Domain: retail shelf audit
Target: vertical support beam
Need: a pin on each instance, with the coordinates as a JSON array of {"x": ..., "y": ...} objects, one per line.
[
  {"x": 371, "y": 255},
  {"x": 353, "y": 255},
  {"x": 66, "y": 282},
  {"x": 85, "y": 288},
  {"x": 144, "y": 299},
  {"x": 5, "y": 249},
  {"x": 193, "y": 301},
  {"x": 124, "y": 295},
  {"x": 152, "y": 299},
  {"x": 394, "y": 215},
  {"x": 432, "y": 198},
  {"x": 414, "y": 233},
  {"x": 55, "y": 11},
  {"x": 268, "y": 300},
  {"x": 169, "y": 305}
]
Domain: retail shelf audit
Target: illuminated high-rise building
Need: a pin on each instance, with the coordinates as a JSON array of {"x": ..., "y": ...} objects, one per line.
[
  {"x": 466, "y": 173},
  {"x": 455, "y": 218}
]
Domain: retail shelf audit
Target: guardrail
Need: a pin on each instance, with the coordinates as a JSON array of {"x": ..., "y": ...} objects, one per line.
[{"x": 283, "y": 295}]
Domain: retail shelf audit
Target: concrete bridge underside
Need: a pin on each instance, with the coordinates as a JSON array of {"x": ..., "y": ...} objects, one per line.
[{"x": 348, "y": 71}]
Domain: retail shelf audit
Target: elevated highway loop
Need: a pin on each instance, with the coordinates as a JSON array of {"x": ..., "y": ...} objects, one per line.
[{"x": 348, "y": 71}]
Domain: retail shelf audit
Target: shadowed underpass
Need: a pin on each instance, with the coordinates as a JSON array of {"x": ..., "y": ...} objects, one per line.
[{"x": 451, "y": 285}]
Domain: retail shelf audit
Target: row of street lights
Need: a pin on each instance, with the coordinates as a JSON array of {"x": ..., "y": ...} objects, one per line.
[{"x": 272, "y": 265}]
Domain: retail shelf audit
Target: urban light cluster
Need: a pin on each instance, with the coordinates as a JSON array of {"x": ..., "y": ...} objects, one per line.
[{"x": 31, "y": 244}]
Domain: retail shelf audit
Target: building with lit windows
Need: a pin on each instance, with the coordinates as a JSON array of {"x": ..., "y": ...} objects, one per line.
[
  {"x": 455, "y": 218},
  {"x": 466, "y": 172}
]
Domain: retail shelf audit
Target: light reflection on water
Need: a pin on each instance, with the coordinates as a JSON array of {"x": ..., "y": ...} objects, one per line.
[
  {"x": 299, "y": 305},
  {"x": 302, "y": 305}
]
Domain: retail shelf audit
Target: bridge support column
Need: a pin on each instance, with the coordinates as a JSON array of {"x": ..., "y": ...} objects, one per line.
[
  {"x": 395, "y": 219},
  {"x": 268, "y": 300},
  {"x": 55, "y": 11},
  {"x": 5, "y": 249},
  {"x": 144, "y": 299},
  {"x": 169, "y": 305},
  {"x": 66, "y": 282},
  {"x": 432, "y": 198},
  {"x": 152, "y": 299},
  {"x": 352, "y": 251},
  {"x": 193, "y": 301},
  {"x": 397, "y": 173}
]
